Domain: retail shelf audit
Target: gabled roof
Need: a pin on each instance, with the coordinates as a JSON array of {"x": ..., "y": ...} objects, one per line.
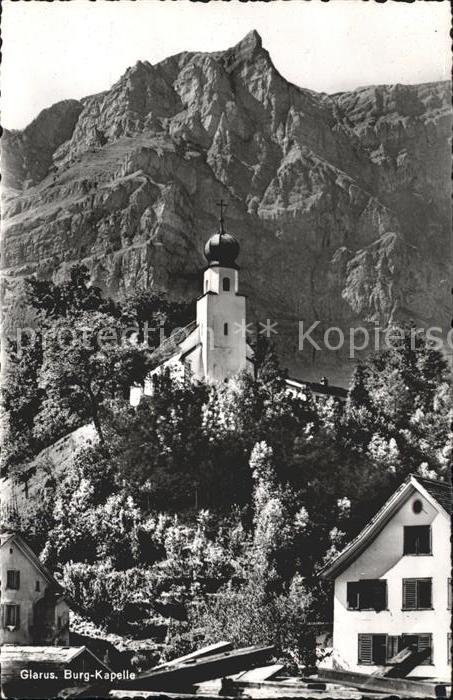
[
  {"x": 47, "y": 655},
  {"x": 438, "y": 493},
  {"x": 171, "y": 345},
  {"x": 9, "y": 538},
  {"x": 441, "y": 491}
]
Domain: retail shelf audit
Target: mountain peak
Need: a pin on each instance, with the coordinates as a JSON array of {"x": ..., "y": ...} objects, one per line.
[
  {"x": 252, "y": 40},
  {"x": 248, "y": 47},
  {"x": 251, "y": 43}
]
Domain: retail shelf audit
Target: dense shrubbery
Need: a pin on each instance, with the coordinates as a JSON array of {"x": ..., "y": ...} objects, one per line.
[
  {"x": 67, "y": 359},
  {"x": 215, "y": 506}
]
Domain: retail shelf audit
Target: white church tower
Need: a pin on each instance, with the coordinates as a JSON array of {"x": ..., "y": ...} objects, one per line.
[
  {"x": 215, "y": 346},
  {"x": 221, "y": 312}
]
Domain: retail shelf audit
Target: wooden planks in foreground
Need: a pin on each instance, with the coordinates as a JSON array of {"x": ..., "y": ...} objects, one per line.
[
  {"x": 218, "y": 671},
  {"x": 186, "y": 673},
  {"x": 404, "y": 687}
]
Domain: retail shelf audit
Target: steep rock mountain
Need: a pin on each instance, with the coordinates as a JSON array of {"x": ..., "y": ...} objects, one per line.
[{"x": 341, "y": 202}]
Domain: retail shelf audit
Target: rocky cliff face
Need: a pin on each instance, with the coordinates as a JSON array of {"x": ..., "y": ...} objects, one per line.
[{"x": 340, "y": 202}]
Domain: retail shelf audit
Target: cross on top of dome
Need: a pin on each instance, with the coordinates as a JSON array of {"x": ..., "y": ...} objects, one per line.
[{"x": 222, "y": 248}]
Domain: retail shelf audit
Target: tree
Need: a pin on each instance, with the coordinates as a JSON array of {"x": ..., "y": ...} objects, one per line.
[
  {"x": 395, "y": 401},
  {"x": 248, "y": 615},
  {"x": 21, "y": 399},
  {"x": 155, "y": 315},
  {"x": 32, "y": 419},
  {"x": 160, "y": 448},
  {"x": 267, "y": 366},
  {"x": 72, "y": 296},
  {"x": 88, "y": 363},
  {"x": 109, "y": 597}
]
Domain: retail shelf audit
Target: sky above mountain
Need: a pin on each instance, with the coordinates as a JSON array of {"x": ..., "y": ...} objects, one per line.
[{"x": 60, "y": 50}]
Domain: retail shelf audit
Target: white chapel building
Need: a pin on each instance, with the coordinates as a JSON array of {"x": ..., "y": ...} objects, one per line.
[
  {"x": 393, "y": 585},
  {"x": 215, "y": 346}
]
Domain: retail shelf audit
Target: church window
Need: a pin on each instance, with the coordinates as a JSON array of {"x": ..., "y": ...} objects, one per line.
[
  {"x": 225, "y": 329},
  {"x": 38, "y": 586},
  {"x": 226, "y": 284},
  {"x": 13, "y": 579}
]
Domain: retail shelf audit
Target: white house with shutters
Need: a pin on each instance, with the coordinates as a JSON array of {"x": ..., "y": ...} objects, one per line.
[
  {"x": 393, "y": 585},
  {"x": 33, "y": 608}
]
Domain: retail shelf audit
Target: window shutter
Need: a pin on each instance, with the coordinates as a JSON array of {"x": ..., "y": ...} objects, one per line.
[
  {"x": 17, "y": 615},
  {"x": 424, "y": 540},
  {"x": 365, "y": 649},
  {"x": 409, "y": 543},
  {"x": 9, "y": 615},
  {"x": 352, "y": 595},
  {"x": 379, "y": 649},
  {"x": 424, "y": 597},
  {"x": 380, "y": 598},
  {"x": 13, "y": 579},
  {"x": 410, "y": 593},
  {"x": 424, "y": 642}
]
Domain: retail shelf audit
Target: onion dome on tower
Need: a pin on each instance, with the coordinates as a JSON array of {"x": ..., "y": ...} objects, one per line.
[{"x": 222, "y": 248}]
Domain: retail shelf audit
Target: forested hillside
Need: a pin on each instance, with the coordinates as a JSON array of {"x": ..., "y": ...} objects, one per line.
[{"x": 204, "y": 500}]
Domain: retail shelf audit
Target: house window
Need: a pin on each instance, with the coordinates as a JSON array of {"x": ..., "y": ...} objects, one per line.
[
  {"x": 417, "y": 539},
  {"x": 13, "y": 579},
  {"x": 393, "y": 646},
  {"x": 226, "y": 284},
  {"x": 225, "y": 329},
  {"x": 11, "y": 616},
  {"x": 372, "y": 649},
  {"x": 380, "y": 649},
  {"x": 59, "y": 622},
  {"x": 417, "y": 593},
  {"x": 38, "y": 586},
  {"x": 367, "y": 594},
  {"x": 422, "y": 643}
]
